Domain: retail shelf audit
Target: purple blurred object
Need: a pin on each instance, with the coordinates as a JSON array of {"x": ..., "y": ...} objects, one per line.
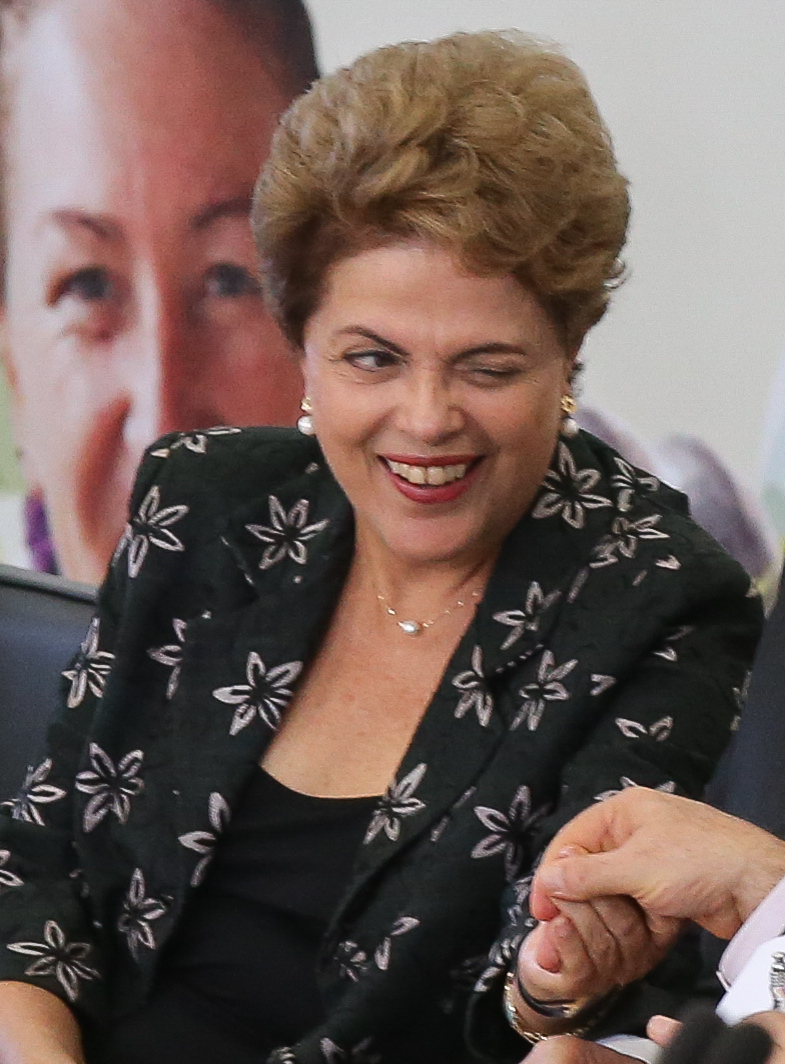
[
  {"x": 37, "y": 536},
  {"x": 718, "y": 502}
]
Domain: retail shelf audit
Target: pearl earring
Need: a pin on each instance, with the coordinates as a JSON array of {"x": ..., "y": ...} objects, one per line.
[
  {"x": 305, "y": 422},
  {"x": 569, "y": 425}
]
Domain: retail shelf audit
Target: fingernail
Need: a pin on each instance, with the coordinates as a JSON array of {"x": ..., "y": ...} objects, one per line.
[
  {"x": 552, "y": 880},
  {"x": 661, "y": 1029},
  {"x": 569, "y": 851}
]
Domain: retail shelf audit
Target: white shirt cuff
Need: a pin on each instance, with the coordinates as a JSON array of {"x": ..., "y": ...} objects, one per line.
[
  {"x": 637, "y": 1048},
  {"x": 767, "y": 921}
]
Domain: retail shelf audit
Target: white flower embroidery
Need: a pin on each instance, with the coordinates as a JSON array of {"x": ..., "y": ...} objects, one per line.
[
  {"x": 7, "y": 879},
  {"x": 578, "y": 585},
  {"x": 668, "y": 652},
  {"x": 629, "y": 480},
  {"x": 111, "y": 786},
  {"x": 547, "y": 688},
  {"x": 499, "y": 961},
  {"x": 360, "y": 1054},
  {"x": 35, "y": 791},
  {"x": 195, "y": 441},
  {"x": 741, "y": 695},
  {"x": 90, "y": 669},
  {"x": 508, "y": 830},
  {"x": 289, "y": 533},
  {"x": 625, "y": 781},
  {"x": 203, "y": 842},
  {"x": 137, "y": 915},
  {"x": 150, "y": 526},
  {"x": 58, "y": 957},
  {"x": 522, "y": 890},
  {"x": 383, "y": 950},
  {"x": 624, "y": 538},
  {"x": 171, "y": 655},
  {"x": 601, "y": 683},
  {"x": 659, "y": 730},
  {"x": 567, "y": 490},
  {"x": 398, "y": 802},
  {"x": 671, "y": 562},
  {"x": 283, "y": 1055},
  {"x": 351, "y": 960},
  {"x": 527, "y": 619},
  {"x": 265, "y": 693},
  {"x": 475, "y": 691}
]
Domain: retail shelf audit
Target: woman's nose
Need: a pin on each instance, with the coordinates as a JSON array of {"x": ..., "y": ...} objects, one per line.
[
  {"x": 166, "y": 384},
  {"x": 429, "y": 410}
]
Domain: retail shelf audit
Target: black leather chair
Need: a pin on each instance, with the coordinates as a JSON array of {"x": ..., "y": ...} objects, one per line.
[{"x": 43, "y": 619}]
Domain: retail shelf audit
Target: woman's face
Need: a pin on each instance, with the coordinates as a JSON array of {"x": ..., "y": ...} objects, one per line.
[
  {"x": 135, "y": 135},
  {"x": 436, "y": 398}
]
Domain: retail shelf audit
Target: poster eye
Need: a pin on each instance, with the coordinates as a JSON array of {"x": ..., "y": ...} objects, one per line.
[{"x": 227, "y": 280}]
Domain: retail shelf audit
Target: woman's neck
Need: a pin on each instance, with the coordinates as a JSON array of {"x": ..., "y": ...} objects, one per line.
[{"x": 422, "y": 589}]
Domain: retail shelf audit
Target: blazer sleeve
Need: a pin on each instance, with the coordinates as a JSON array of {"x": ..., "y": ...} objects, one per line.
[
  {"x": 664, "y": 726},
  {"x": 49, "y": 935}
]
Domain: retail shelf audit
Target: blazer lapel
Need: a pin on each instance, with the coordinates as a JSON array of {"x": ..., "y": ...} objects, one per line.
[
  {"x": 540, "y": 571},
  {"x": 285, "y": 558}
]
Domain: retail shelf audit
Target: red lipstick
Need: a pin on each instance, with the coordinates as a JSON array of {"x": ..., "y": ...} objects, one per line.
[{"x": 432, "y": 493}]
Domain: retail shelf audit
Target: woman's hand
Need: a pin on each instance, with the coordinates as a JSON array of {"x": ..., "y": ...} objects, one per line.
[
  {"x": 569, "y": 1050},
  {"x": 583, "y": 953},
  {"x": 588, "y": 949},
  {"x": 36, "y": 1027}
]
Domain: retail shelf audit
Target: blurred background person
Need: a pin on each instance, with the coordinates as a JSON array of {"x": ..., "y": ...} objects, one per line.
[{"x": 133, "y": 133}]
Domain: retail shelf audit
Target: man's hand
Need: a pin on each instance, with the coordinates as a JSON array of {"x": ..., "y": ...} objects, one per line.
[
  {"x": 774, "y": 1023},
  {"x": 676, "y": 858},
  {"x": 704, "y": 1039},
  {"x": 569, "y": 1050}
]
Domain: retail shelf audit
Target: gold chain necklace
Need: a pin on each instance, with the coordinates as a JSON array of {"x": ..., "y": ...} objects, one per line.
[{"x": 416, "y": 627}]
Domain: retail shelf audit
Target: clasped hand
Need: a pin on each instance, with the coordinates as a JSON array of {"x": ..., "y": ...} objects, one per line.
[{"x": 587, "y": 949}]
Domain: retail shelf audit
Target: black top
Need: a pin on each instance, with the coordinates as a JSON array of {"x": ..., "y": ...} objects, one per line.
[{"x": 239, "y": 978}]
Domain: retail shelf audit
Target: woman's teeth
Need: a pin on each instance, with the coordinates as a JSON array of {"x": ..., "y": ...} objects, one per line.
[{"x": 435, "y": 475}]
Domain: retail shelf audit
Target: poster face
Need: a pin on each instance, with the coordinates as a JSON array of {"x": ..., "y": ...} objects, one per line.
[{"x": 134, "y": 136}]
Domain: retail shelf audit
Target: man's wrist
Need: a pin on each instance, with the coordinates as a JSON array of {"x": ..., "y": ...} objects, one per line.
[{"x": 761, "y": 877}]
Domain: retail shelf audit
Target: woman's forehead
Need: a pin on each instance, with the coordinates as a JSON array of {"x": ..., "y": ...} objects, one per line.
[{"x": 119, "y": 120}]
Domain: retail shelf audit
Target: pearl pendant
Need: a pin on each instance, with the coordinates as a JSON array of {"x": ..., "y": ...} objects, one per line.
[{"x": 410, "y": 627}]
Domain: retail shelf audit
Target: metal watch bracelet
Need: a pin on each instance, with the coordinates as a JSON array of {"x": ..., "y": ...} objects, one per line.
[{"x": 516, "y": 1022}]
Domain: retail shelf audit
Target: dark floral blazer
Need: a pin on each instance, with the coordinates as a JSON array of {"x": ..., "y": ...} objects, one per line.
[{"x": 609, "y": 651}]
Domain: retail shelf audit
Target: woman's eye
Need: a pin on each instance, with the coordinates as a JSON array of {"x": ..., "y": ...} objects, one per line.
[
  {"x": 495, "y": 374},
  {"x": 91, "y": 284},
  {"x": 371, "y": 360},
  {"x": 225, "y": 280}
]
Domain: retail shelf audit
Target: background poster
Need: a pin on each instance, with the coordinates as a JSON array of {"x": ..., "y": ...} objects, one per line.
[{"x": 694, "y": 94}]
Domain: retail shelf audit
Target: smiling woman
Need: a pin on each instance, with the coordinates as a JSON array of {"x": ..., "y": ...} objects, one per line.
[
  {"x": 415, "y": 366},
  {"x": 353, "y": 680}
]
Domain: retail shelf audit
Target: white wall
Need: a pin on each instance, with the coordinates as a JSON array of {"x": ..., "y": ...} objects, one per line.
[{"x": 694, "y": 93}]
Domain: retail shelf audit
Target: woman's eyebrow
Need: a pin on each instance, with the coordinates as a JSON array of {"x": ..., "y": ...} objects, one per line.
[
  {"x": 70, "y": 218},
  {"x": 360, "y": 330},
  {"x": 234, "y": 207}
]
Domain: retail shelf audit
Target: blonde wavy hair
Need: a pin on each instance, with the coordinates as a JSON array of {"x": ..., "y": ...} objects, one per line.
[{"x": 488, "y": 144}]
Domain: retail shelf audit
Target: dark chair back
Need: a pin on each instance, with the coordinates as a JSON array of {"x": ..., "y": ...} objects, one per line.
[{"x": 43, "y": 619}]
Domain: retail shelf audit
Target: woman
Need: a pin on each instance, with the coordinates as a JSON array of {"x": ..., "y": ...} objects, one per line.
[
  {"x": 131, "y": 144},
  {"x": 382, "y": 664}
]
